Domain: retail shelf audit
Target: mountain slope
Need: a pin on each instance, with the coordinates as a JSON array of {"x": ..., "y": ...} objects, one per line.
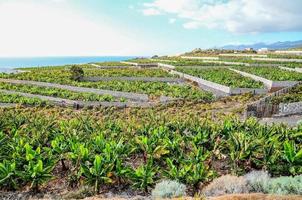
[{"x": 277, "y": 45}]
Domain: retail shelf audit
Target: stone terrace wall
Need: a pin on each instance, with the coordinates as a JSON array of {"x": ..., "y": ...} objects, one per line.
[
  {"x": 278, "y": 59},
  {"x": 263, "y": 108},
  {"x": 290, "y": 108}
]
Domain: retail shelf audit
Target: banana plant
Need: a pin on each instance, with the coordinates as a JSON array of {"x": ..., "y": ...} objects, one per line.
[
  {"x": 100, "y": 172},
  {"x": 8, "y": 175},
  {"x": 177, "y": 171},
  {"x": 240, "y": 147},
  {"x": 144, "y": 176},
  {"x": 293, "y": 157},
  {"x": 60, "y": 148},
  {"x": 38, "y": 173}
]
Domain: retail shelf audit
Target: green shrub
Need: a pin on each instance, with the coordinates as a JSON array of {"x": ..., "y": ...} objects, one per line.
[{"x": 168, "y": 189}]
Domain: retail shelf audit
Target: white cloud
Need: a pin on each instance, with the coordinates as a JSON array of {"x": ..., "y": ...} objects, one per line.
[
  {"x": 243, "y": 16},
  {"x": 172, "y": 20},
  {"x": 45, "y": 28},
  {"x": 151, "y": 12}
]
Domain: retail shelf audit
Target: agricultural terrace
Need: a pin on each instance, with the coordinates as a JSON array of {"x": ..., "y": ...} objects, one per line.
[
  {"x": 55, "y": 92},
  {"x": 154, "y": 89},
  {"x": 222, "y": 76},
  {"x": 272, "y": 73}
]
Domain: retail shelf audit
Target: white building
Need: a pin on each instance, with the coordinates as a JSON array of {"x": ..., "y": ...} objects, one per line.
[{"x": 263, "y": 50}]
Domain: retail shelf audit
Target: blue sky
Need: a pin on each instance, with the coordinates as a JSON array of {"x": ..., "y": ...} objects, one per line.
[{"x": 141, "y": 27}]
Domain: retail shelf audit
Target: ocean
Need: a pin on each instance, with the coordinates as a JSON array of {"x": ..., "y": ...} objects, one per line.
[{"x": 8, "y": 64}]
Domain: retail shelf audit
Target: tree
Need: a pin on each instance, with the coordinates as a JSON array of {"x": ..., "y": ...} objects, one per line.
[{"x": 77, "y": 73}]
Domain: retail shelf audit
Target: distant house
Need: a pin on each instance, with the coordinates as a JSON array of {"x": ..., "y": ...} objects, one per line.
[{"x": 249, "y": 49}]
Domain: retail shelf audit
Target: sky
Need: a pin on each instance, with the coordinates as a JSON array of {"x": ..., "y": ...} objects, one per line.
[{"x": 141, "y": 27}]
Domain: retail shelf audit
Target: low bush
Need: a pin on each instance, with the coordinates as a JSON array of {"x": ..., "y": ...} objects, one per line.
[
  {"x": 255, "y": 182},
  {"x": 256, "y": 179},
  {"x": 226, "y": 185},
  {"x": 168, "y": 189},
  {"x": 284, "y": 185}
]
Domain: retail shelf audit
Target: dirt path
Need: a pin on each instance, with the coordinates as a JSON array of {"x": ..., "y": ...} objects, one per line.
[
  {"x": 7, "y": 105},
  {"x": 291, "y": 121},
  {"x": 117, "y": 94}
]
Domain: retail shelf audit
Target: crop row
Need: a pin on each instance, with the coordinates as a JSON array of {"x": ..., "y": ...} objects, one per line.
[
  {"x": 222, "y": 76},
  {"x": 155, "y": 89},
  {"x": 273, "y": 73},
  {"x": 36, "y": 147},
  {"x": 288, "y": 56},
  {"x": 131, "y": 72},
  {"x": 56, "y": 92},
  {"x": 142, "y": 61},
  {"x": 109, "y": 64},
  {"x": 12, "y": 98}
]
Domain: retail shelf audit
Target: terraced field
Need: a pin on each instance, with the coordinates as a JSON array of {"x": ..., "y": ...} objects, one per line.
[
  {"x": 73, "y": 153},
  {"x": 222, "y": 76},
  {"x": 154, "y": 89},
  {"x": 272, "y": 73}
]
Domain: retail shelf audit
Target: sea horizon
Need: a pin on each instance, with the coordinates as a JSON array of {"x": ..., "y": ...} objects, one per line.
[{"x": 8, "y": 63}]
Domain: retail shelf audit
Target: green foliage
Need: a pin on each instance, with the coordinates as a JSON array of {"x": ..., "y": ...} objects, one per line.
[{"x": 103, "y": 148}]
